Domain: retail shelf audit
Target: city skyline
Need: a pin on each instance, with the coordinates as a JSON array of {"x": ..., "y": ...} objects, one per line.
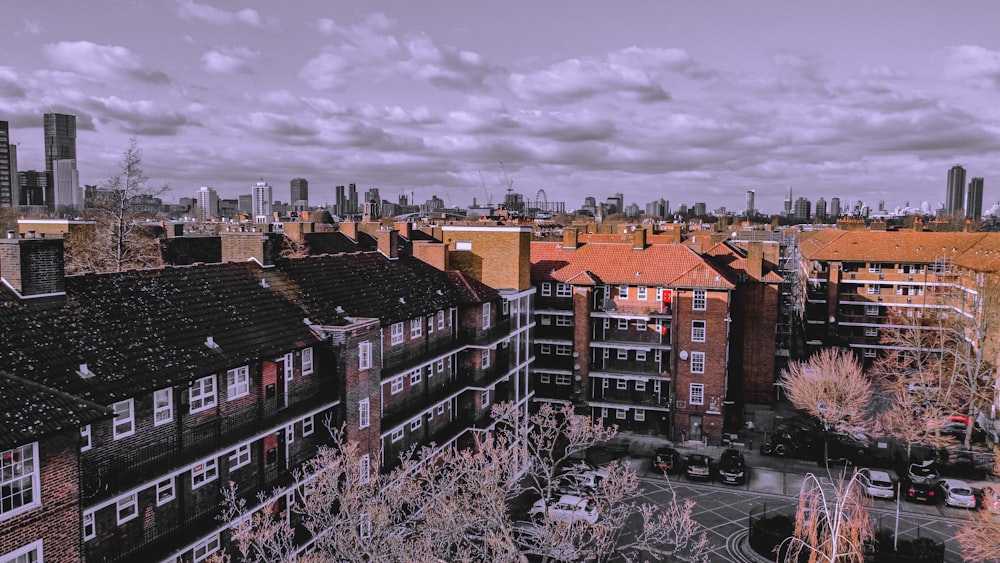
[{"x": 651, "y": 101}]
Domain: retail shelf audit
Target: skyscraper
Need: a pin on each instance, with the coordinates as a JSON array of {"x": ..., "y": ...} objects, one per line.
[
  {"x": 341, "y": 201},
  {"x": 955, "y": 197},
  {"x": 207, "y": 202},
  {"x": 750, "y": 209},
  {"x": 352, "y": 196},
  {"x": 300, "y": 194},
  {"x": 835, "y": 207},
  {"x": 803, "y": 209},
  {"x": 65, "y": 184},
  {"x": 974, "y": 202},
  {"x": 60, "y": 138},
  {"x": 261, "y": 203},
  {"x": 8, "y": 175},
  {"x": 821, "y": 209},
  {"x": 788, "y": 203}
]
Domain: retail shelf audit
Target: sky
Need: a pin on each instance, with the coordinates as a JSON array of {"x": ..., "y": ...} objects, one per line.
[{"x": 685, "y": 101}]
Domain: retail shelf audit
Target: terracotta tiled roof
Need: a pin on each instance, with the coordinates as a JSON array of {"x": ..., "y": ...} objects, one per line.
[
  {"x": 895, "y": 246},
  {"x": 617, "y": 263},
  {"x": 983, "y": 256},
  {"x": 30, "y": 411},
  {"x": 727, "y": 257}
]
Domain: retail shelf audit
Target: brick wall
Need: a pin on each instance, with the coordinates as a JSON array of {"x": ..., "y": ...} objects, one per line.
[
  {"x": 33, "y": 266},
  {"x": 715, "y": 372},
  {"x": 500, "y": 257}
]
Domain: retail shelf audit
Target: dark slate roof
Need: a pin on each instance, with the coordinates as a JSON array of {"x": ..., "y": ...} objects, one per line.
[
  {"x": 471, "y": 290},
  {"x": 367, "y": 284},
  {"x": 146, "y": 329},
  {"x": 30, "y": 411},
  {"x": 337, "y": 242}
]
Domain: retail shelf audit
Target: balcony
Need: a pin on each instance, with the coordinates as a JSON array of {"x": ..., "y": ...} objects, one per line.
[
  {"x": 403, "y": 357},
  {"x": 642, "y": 309},
  {"x": 484, "y": 337},
  {"x": 630, "y": 397},
  {"x": 611, "y": 365},
  {"x": 554, "y": 332},
  {"x": 632, "y": 336},
  {"x": 102, "y": 478}
]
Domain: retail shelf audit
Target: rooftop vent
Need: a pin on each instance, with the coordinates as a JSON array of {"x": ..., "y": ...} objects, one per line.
[
  {"x": 210, "y": 342},
  {"x": 85, "y": 372}
]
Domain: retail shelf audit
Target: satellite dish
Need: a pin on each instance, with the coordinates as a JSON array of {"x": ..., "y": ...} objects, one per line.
[{"x": 683, "y": 354}]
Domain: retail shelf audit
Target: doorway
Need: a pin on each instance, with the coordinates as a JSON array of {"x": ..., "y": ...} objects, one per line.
[{"x": 694, "y": 427}]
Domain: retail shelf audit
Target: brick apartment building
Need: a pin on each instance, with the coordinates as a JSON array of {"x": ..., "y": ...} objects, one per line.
[
  {"x": 228, "y": 371},
  {"x": 649, "y": 334}
]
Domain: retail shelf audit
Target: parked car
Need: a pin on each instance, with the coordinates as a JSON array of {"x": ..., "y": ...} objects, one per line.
[
  {"x": 791, "y": 441},
  {"x": 876, "y": 483},
  {"x": 584, "y": 475},
  {"x": 918, "y": 492},
  {"x": 923, "y": 472},
  {"x": 566, "y": 508},
  {"x": 666, "y": 461},
  {"x": 989, "y": 499},
  {"x": 699, "y": 466},
  {"x": 957, "y": 493},
  {"x": 732, "y": 467}
]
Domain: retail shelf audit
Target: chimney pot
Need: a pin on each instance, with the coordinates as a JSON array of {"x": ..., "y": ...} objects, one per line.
[
  {"x": 31, "y": 234},
  {"x": 10, "y": 234}
]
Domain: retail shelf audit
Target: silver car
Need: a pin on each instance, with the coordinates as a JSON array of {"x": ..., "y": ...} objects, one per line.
[
  {"x": 957, "y": 493},
  {"x": 876, "y": 483}
]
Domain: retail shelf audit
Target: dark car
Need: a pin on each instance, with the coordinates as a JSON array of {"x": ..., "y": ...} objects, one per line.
[
  {"x": 732, "y": 467},
  {"x": 922, "y": 473},
  {"x": 699, "y": 467},
  {"x": 918, "y": 492},
  {"x": 666, "y": 461},
  {"x": 800, "y": 442}
]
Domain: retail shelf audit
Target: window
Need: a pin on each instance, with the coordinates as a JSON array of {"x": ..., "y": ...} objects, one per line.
[
  {"x": 546, "y": 289},
  {"x": 440, "y": 319},
  {"x": 506, "y": 307},
  {"x": 365, "y": 355},
  {"x": 874, "y": 289},
  {"x": 563, "y": 350},
  {"x": 484, "y": 358},
  {"x": 607, "y": 324},
  {"x": 289, "y": 363},
  {"x": 396, "y": 332},
  {"x": 486, "y": 314},
  {"x": 416, "y": 327},
  {"x": 440, "y": 366},
  {"x": 545, "y": 378},
  {"x": 127, "y": 508},
  {"x": 307, "y": 361},
  {"x": 562, "y": 379},
  {"x": 640, "y": 385},
  {"x": 871, "y": 310},
  {"x": 364, "y": 413},
  {"x": 640, "y": 355},
  {"x": 622, "y": 324},
  {"x": 365, "y": 526},
  {"x": 697, "y": 362},
  {"x": 85, "y": 438},
  {"x": 563, "y": 290},
  {"x": 621, "y": 384},
  {"x": 875, "y": 268},
  {"x": 640, "y": 415},
  {"x": 206, "y": 548},
  {"x": 202, "y": 394},
  {"x": 545, "y": 349},
  {"x": 416, "y": 424},
  {"x": 622, "y": 354},
  {"x": 486, "y": 397},
  {"x": 697, "y": 394},
  {"x": 89, "y": 528},
  {"x": 308, "y": 425},
  {"x": 31, "y": 553},
  {"x": 430, "y": 324},
  {"x": 870, "y": 352},
  {"x": 205, "y": 472},
  {"x": 290, "y": 433},
  {"x": 440, "y": 409},
  {"x": 620, "y": 414},
  {"x": 239, "y": 457},
  {"x": 237, "y": 383},
  {"x": 416, "y": 376},
  {"x": 19, "y": 479},
  {"x": 124, "y": 424},
  {"x": 606, "y": 353},
  {"x": 699, "y": 299},
  {"x": 365, "y": 469},
  {"x": 623, "y": 292},
  {"x": 640, "y": 293},
  {"x": 463, "y": 245},
  {"x": 564, "y": 321},
  {"x": 165, "y": 491},
  {"x": 396, "y": 385},
  {"x": 871, "y": 331},
  {"x": 546, "y": 320},
  {"x": 163, "y": 406},
  {"x": 697, "y": 331},
  {"x": 396, "y": 435},
  {"x": 640, "y": 325}
]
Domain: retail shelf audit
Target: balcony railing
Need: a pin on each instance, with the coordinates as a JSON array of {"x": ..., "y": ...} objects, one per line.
[
  {"x": 403, "y": 357},
  {"x": 635, "y": 398},
  {"x": 483, "y": 337}
]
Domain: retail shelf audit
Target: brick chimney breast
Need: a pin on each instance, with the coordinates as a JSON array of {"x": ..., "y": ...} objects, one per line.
[
  {"x": 569, "y": 239},
  {"x": 755, "y": 259},
  {"x": 34, "y": 267},
  {"x": 388, "y": 243}
]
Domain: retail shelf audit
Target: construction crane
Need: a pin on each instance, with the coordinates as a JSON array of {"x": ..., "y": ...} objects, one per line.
[
  {"x": 489, "y": 196},
  {"x": 508, "y": 181}
]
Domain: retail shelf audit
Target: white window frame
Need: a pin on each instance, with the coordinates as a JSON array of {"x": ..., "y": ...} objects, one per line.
[
  {"x": 622, "y": 324},
  {"x": 365, "y": 355},
  {"x": 621, "y": 414},
  {"x": 485, "y": 395},
  {"x": 544, "y": 378},
  {"x": 487, "y": 311},
  {"x": 365, "y": 469},
  {"x": 564, "y": 320},
  {"x": 484, "y": 358},
  {"x": 123, "y": 424},
  {"x": 396, "y": 333},
  {"x": 163, "y": 410},
  {"x": 640, "y": 292},
  {"x": 564, "y": 290},
  {"x": 621, "y": 384},
  {"x": 89, "y": 526},
  {"x": 696, "y": 394},
  {"x": 167, "y": 489},
  {"x": 640, "y": 355},
  {"x": 205, "y": 548},
  {"x": 364, "y": 525},
  {"x": 21, "y": 553},
  {"x": 440, "y": 409},
  {"x": 441, "y": 319},
  {"x": 289, "y": 364},
  {"x": 872, "y": 310},
  {"x": 290, "y": 433},
  {"x": 563, "y": 349},
  {"x": 396, "y": 435},
  {"x": 545, "y": 349},
  {"x": 416, "y": 328},
  {"x": 875, "y": 268},
  {"x": 415, "y": 424},
  {"x": 122, "y": 506},
  {"x": 698, "y": 328},
  {"x": 24, "y": 472},
  {"x": 440, "y": 366},
  {"x": 697, "y": 362},
  {"x": 430, "y": 324},
  {"x": 308, "y": 425},
  {"x": 639, "y": 415},
  {"x": 622, "y": 292},
  {"x": 463, "y": 245},
  {"x": 238, "y": 382},
  {"x": 546, "y": 320},
  {"x": 239, "y": 457},
  {"x": 203, "y": 394},
  {"x": 86, "y": 437},
  {"x": 307, "y": 361},
  {"x": 204, "y": 473},
  {"x": 871, "y": 353},
  {"x": 622, "y": 354},
  {"x": 641, "y": 325},
  {"x": 546, "y": 289},
  {"x": 640, "y": 385},
  {"x": 871, "y": 331},
  {"x": 699, "y": 299},
  {"x": 396, "y": 385},
  {"x": 562, "y": 379},
  {"x": 416, "y": 376},
  {"x": 364, "y": 413}
]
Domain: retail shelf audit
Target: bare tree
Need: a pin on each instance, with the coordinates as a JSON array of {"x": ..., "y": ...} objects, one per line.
[
  {"x": 832, "y": 523},
  {"x": 980, "y": 539}
]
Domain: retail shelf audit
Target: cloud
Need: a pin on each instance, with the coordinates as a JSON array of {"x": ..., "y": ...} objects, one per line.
[
  {"x": 660, "y": 61},
  {"x": 228, "y": 60},
  {"x": 979, "y": 66},
  {"x": 445, "y": 67},
  {"x": 575, "y": 80},
  {"x": 10, "y": 84},
  {"x": 100, "y": 61},
  {"x": 190, "y": 10},
  {"x": 366, "y": 46},
  {"x": 32, "y": 27},
  {"x": 139, "y": 117}
]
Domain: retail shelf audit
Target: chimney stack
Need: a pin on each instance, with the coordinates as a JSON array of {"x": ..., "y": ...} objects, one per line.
[
  {"x": 433, "y": 253},
  {"x": 388, "y": 243},
  {"x": 569, "y": 239},
  {"x": 639, "y": 239},
  {"x": 349, "y": 229},
  {"x": 245, "y": 245},
  {"x": 755, "y": 259},
  {"x": 404, "y": 228},
  {"x": 34, "y": 267}
]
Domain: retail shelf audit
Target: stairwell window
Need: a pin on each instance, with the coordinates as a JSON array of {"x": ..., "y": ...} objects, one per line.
[
  {"x": 416, "y": 327},
  {"x": 697, "y": 394},
  {"x": 486, "y": 315},
  {"x": 697, "y": 331},
  {"x": 365, "y": 469},
  {"x": 86, "y": 441},
  {"x": 19, "y": 479},
  {"x": 202, "y": 394},
  {"x": 127, "y": 508},
  {"x": 546, "y": 289},
  {"x": 364, "y": 413},
  {"x": 699, "y": 299},
  {"x": 396, "y": 333},
  {"x": 124, "y": 424},
  {"x": 365, "y": 355},
  {"x": 697, "y": 362},
  {"x": 307, "y": 361},
  {"x": 163, "y": 406}
]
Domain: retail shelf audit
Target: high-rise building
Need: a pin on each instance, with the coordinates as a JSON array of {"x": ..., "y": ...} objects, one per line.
[
  {"x": 788, "y": 202},
  {"x": 750, "y": 209},
  {"x": 955, "y": 197},
  {"x": 341, "y": 201},
  {"x": 8, "y": 174},
  {"x": 60, "y": 138},
  {"x": 244, "y": 203},
  {"x": 261, "y": 202},
  {"x": 835, "y": 207},
  {"x": 300, "y": 194},
  {"x": 974, "y": 201},
  {"x": 65, "y": 186},
  {"x": 821, "y": 209},
  {"x": 352, "y": 198},
  {"x": 803, "y": 209},
  {"x": 658, "y": 208},
  {"x": 700, "y": 209},
  {"x": 33, "y": 185},
  {"x": 208, "y": 202}
]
